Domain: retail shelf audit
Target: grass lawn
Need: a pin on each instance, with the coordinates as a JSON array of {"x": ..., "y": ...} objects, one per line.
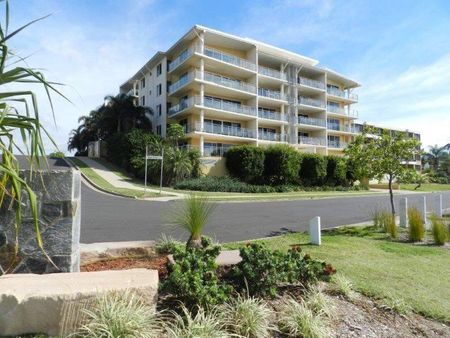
[
  {"x": 426, "y": 187},
  {"x": 381, "y": 268},
  {"x": 105, "y": 185}
]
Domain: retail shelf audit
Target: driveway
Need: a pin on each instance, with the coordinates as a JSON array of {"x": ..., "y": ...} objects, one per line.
[{"x": 107, "y": 218}]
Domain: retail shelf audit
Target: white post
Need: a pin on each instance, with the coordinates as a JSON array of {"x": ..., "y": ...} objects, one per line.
[
  {"x": 202, "y": 120},
  {"x": 403, "y": 212},
  {"x": 202, "y": 151},
  {"x": 438, "y": 206},
  {"x": 314, "y": 231},
  {"x": 162, "y": 165},
  {"x": 145, "y": 174},
  {"x": 423, "y": 210}
]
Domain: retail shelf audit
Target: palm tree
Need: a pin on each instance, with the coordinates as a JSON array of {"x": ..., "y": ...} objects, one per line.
[
  {"x": 178, "y": 164},
  {"x": 434, "y": 155}
]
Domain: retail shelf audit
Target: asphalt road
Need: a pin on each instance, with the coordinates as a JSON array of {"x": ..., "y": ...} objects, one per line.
[{"x": 107, "y": 218}]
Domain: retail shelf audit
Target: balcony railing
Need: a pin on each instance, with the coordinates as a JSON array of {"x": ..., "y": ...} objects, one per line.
[
  {"x": 337, "y": 144},
  {"x": 228, "y": 58},
  {"x": 342, "y": 111},
  {"x": 182, "y": 82},
  {"x": 228, "y": 106},
  {"x": 184, "y": 104},
  {"x": 272, "y": 73},
  {"x": 212, "y": 128},
  {"x": 276, "y": 137},
  {"x": 227, "y": 82},
  {"x": 339, "y": 127},
  {"x": 270, "y": 115},
  {"x": 183, "y": 56},
  {"x": 342, "y": 93},
  {"x": 312, "y": 121},
  {"x": 133, "y": 92},
  {"x": 273, "y": 94},
  {"x": 311, "y": 83},
  {"x": 308, "y": 101},
  {"x": 315, "y": 141}
]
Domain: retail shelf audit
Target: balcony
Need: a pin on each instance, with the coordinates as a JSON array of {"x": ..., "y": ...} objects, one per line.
[
  {"x": 228, "y": 106},
  {"x": 312, "y": 121},
  {"x": 228, "y": 58},
  {"x": 337, "y": 144},
  {"x": 182, "y": 82},
  {"x": 313, "y": 141},
  {"x": 311, "y": 83},
  {"x": 342, "y": 93},
  {"x": 270, "y": 115},
  {"x": 216, "y": 151},
  {"x": 227, "y": 82},
  {"x": 308, "y": 101},
  {"x": 183, "y": 56},
  {"x": 212, "y": 128},
  {"x": 353, "y": 113},
  {"x": 272, "y": 94},
  {"x": 274, "y": 137},
  {"x": 184, "y": 104},
  {"x": 339, "y": 127},
  {"x": 270, "y": 72}
]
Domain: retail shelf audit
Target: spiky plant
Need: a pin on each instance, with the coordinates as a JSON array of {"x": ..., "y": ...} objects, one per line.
[
  {"x": 247, "y": 317},
  {"x": 192, "y": 216},
  {"x": 341, "y": 285},
  {"x": 318, "y": 302},
  {"x": 167, "y": 245},
  {"x": 121, "y": 315},
  {"x": 20, "y": 126}
]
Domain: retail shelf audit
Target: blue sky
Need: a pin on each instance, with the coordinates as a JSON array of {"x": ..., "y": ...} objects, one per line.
[{"x": 398, "y": 50}]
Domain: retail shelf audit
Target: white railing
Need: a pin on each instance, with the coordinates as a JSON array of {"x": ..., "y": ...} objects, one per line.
[
  {"x": 182, "y": 82},
  {"x": 308, "y": 101},
  {"x": 311, "y": 83},
  {"x": 184, "y": 104},
  {"x": 312, "y": 121},
  {"x": 272, "y": 73},
  {"x": 183, "y": 56},
  {"x": 342, "y": 93},
  {"x": 342, "y": 111},
  {"x": 229, "y": 58},
  {"x": 339, "y": 127},
  {"x": 212, "y": 128},
  {"x": 133, "y": 92},
  {"x": 270, "y": 115},
  {"x": 228, "y": 106},
  {"x": 337, "y": 144},
  {"x": 227, "y": 82},
  {"x": 275, "y": 137},
  {"x": 273, "y": 94},
  {"x": 315, "y": 141},
  {"x": 353, "y": 96},
  {"x": 216, "y": 151}
]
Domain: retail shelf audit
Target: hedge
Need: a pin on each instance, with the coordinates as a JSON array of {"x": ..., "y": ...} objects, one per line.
[
  {"x": 336, "y": 171},
  {"x": 245, "y": 162},
  {"x": 313, "y": 171},
  {"x": 281, "y": 165}
]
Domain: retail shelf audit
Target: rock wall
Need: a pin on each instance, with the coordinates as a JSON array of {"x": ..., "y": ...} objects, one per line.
[{"x": 59, "y": 196}]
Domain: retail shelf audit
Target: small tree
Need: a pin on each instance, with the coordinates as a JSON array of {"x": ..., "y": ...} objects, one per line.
[
  {"x": 382, "y": 156},
  {"x": 175, "y": 133}
]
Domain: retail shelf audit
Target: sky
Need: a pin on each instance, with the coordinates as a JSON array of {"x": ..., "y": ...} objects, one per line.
[{"x": 399, "y": 50}]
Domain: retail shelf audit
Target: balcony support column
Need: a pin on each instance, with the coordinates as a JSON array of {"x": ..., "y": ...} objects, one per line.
[
  {"x": 202, "y": 69},
  {"x": 202, "y": 94},
  {"x": 202, "y": 120},
  {"x": 202, "y": 151}
]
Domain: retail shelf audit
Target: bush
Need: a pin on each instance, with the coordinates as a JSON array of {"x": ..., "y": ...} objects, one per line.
[
  {"x": 313, "y": 170},
  {"x": 386, "y": 221},
  {"x": 247, "y": 317},
  {"x": 416, "y": 225},
  {"x": 193, "y": 278},
  {"x": 439, "y": 230},
  {"x": 194, "y": 156},
  {"x": 245, "y": 162},
  {"x": 168, "y": 245},
  {"x": 281, "y": 165},
  {"x": 118, "y": 315},
  {"x": 336, "y": 171},
  {"x": 262, "y": 270},
  {"x": 118, "y": 150},
  {"x": 297, "y": 320},
  {"x": 57, "y": 154}
]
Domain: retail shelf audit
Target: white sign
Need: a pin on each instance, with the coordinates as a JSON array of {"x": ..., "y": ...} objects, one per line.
[{"x": 154, "y": 157}]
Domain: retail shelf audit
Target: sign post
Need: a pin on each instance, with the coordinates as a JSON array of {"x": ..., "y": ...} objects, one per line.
[{"x": 153, "y": 157}]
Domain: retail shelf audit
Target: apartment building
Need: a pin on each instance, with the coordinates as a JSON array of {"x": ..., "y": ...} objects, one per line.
[{"x": 227, "y": 90}]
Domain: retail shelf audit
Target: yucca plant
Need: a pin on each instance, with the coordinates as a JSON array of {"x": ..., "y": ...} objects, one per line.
[
  {"x": 20, "y": 127},
  {"x": 192, "y": 216}
]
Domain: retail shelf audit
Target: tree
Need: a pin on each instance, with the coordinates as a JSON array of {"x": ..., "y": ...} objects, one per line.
[
  {"x": 383, "y": 156},
  {"x": 434, "y": 156},
  {"x": 174, "y": 134}
]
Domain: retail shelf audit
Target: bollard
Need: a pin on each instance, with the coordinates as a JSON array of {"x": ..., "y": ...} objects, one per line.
[
  {"x": 438, "y": 206},
  {"x": 314, "y": 231},
  {"x": 403, "y": 211}
]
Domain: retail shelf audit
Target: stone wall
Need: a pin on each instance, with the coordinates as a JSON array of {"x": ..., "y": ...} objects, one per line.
[{"x": 59, "y": 195}]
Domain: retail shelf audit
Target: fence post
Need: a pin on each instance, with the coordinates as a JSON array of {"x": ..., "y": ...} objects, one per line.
[
  {"x": 403, "y": 212},
  {"x": 423, "y": 210},
  {"x": 438, "y": 206},
  {"x": 314, "y": 231}
]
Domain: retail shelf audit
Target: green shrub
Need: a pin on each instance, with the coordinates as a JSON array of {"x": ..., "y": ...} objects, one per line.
[
  {"x": 281, "y": 165},
  {"x": 245, "y": 162},
  {"x": 416, "y": 225},
  {"x": 313, "y": 170},
  {"x": 262, "y": 270},
  {"x": 247, "y": 317},
  {"x": 168, "y": 245},
  {"x": 193, "y": 277},
  {"x": 194, "y": 156},
  {"x": 336, "y": 171},
  {"x": 439, "y": 230},
  {"x": 118, "y": 315},
  {"x": 118, "y": 150},
  {"x": 57, "y": 154},
  {"x": 297, "y": 320}
]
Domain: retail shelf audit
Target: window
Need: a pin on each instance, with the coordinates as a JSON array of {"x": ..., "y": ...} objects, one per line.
[
  {"x": 158, "y": 90},
  {"x": 333, "y": 124},
  {"x": 334, "y": 141},
  {"x": 158, "y": 129},
  {"x": 158, "y": 109},
  {"x": 158, "y": 70},
  {"x": 143, "y": 82},
  {"x": 143, "y": 101}
]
